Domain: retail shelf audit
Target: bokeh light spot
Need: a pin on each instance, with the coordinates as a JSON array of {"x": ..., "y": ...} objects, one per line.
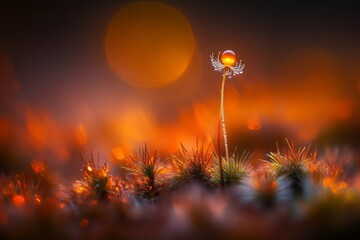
[
  {"x": 118, "y": 153},
  {"x": 149, "y": 44},
  {"x": 19, "y": 200},
  {"x": 253, "y": 123}
]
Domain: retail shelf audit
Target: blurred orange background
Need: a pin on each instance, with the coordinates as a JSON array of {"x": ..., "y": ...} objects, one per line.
[{"x": 141, "y": 73}]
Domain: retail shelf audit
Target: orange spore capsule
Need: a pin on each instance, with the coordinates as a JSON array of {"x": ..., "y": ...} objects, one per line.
[{"x": 228, "y": 58}]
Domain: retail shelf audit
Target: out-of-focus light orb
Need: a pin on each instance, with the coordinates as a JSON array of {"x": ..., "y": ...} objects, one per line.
[
  {"x": 19, "y": 200},
  {"x": 228, "y": 58},
  {"x": 253, "y": 123},
  {"x": 149, "y": 44}
]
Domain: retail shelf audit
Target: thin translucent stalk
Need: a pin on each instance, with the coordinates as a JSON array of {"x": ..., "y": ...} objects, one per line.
[
  {"x": 219, "y": 153},
  {"x": 223, "y": 118},
  {"x": 222, "y": 123}
]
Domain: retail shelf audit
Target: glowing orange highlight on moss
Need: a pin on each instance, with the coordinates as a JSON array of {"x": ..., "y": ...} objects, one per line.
[
  {"x": 38, "y": 166},
  {"x": 37, "y": 200},
  {"x": 333, "y": 185},
  {"x": 78, "y": 187},
  {"x": 19, "y": 200}
]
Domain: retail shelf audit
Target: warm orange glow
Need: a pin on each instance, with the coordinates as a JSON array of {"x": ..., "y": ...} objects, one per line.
[
  {"x": 149, "y": 44},
  {"x": 333, "y": 185},
  {"x": 263, "y": 181},
  {"x": 84, "y": 222},
  {"x": 44, "y": 134},
  {"x": 206, "y": 119},
  {"x": 253, "y": 123},
  {"x": 93, "y": 202},
  {"x": 38, "y": 166},
  {"x": 291, "y": 102},
  {"x": 4, "y": 218},
  {"x": 4, "y": 128},
  {"x": 228, "y": 58},
  {"x": 37, "y": 200},
  {"x": 308, "y": 133},
  {"x": 327, "y": 182},
  {"x": 18, "y": 200},
  {"x": 78, "y": 187},
  {"x": 217, "y": 206},
  {"x": 62, "y": 153},
  {"x": 264, "y": 184},
  {"x": 81, "y": 135},
  {"x": 38, "y": 128},
  {"x": 89, "y": 168},
  {"x": 342, "y": 109},
  {"x": 134, "y": 127},
  {"x": 118, "y": 153}
]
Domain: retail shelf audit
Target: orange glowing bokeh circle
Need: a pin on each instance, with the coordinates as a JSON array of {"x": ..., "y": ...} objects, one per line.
[
  {"x": 149, "y": 44},
  {"x": 228, "y": 58}
]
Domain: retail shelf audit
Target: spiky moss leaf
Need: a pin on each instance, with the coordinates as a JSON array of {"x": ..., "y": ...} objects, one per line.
[
  {"x": 262, "y": 190},
  {"x": 34, "y": 183},
  {"x": 96, "y": 183},
  {"x": 234, "y": 171},
  {"x": 259, "y": 189},
  {"x": 99, "y": 187},
  {"x": 193, "y": 166},
  {"x": 17, "y": 184},
  {"x": 148, "y": 173},
  {"x": 294, "y": 164}
]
